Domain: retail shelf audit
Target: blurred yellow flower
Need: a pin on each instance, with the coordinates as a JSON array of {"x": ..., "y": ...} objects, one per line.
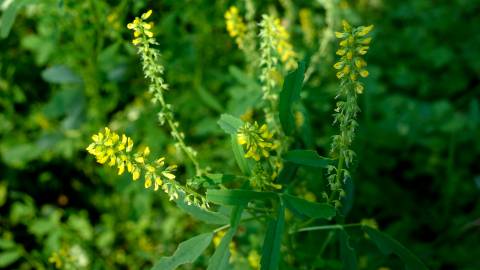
[
  {"x": 235, "y": 25},
  {"x": 254, "y": 259}
]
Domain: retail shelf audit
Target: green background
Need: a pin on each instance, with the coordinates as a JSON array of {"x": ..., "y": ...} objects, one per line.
[{"x": 67, "y": 69}]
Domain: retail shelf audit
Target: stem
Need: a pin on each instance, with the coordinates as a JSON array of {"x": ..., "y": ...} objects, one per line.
[
  {"x": 339, "y": 174},
  {"x": 226, "y": 226},
  {"x": 325, "y": 243},
  {"x": 328, "y": 227},
  {"x": 176, "y": 135}
]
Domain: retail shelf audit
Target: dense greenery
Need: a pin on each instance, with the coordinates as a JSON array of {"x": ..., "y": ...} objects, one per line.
[{"x": 407, "y": 195}]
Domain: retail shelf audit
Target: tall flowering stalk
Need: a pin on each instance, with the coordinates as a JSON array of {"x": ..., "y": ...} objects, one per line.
[
  {"x": 144, "y": 39},
  {"x": 351, "y": 66},
  {"x": 274, "y": 47},
  {"x": 244, "y": 32},
  {"x": 114, "y": 150}
]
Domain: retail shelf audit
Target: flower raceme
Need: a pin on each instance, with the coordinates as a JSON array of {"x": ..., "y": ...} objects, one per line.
[
  {"x": 114, "y": 150},
  {"x": 353, "y": 46},
  {"x": 257, "y": 140},
  {"x": 235, "y": 26},
  {"x": 141, "y": 29},
  {"x": 275, "y": 37}
]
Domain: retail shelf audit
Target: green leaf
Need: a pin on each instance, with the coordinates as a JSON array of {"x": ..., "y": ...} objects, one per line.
[
  {"x": 187, "y": 252},
  {"x": 388, "y": 245},
  {"x": 229, "y": 123},
  {"x": 287, "y": 173},
  {"x": 347, "y": 253},
  {"x": 309, "y": 209},
  {"x": 244, "y": 164},
  {"x": 306, "y": 158},
  {"x": 203, "y": 215},
  {"x": 219, "y": 259},
  {"x": 9, "y": 257},
  {"x": 237, "y": 196},
  {"x": 60, "y": 74},
  {"x": 9, "y": 15},
  {"x": 305, "y": 130},
  {"x": 6, "y": 244},
  {"x": 209, "y": 99},
  {"x": 289, "y": 95},
  {"x": 273, "y": 239}
]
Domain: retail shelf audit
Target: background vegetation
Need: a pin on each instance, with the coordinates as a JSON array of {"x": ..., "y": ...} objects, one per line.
[{"x": 68, "y": 68}]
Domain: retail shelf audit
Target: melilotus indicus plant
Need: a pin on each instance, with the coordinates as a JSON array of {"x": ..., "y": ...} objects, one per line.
[{"x": 267, "y": 151}]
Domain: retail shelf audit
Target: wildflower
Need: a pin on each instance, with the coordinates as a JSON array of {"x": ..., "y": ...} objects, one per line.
[
  {"x": 275, "y": 36},
  {"x": 262, "y": 178},
  {"x": 306, "y": 23},
  {"x": 117, "y": 150},
  {"x": 254, "y": 259},
  {"x": 353, "y": 46},
  {"x": 141, "y": 29},
  {"x": 257, "y": 140},
  {"x": 274, "y": 48},
  {"x": 235, "y": 26}
]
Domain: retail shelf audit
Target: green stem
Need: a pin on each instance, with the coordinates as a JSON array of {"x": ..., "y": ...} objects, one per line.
[
  {"x": 328, "y": 227},
  {"x": 176, "y": 135},
  {"x": 226, "y": 226}
]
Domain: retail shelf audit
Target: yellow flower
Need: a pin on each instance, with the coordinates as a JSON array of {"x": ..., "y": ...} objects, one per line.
[
  {"x": 254, "y": 259},
  {"x": 275, "y": 36},
  {"x": 306, "y": 23},
  {"x": 141, "y": 29},
  {"x": 353, "y": 46},
  {"x": 257, "y": 140},
  {"x": 107, "y": 146},
  {"x": 147, "y": 14},
  {"x": 235, "y": 26}
]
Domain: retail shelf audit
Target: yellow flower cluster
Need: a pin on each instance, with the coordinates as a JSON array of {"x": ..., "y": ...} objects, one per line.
[
  {"x": 306, "y": 23},
  {"x": 235, "y": 26},
  {"x": 257, "y": 140},
  {"x": 277, "y": 36},
  {"x": 141, "y": 29},
  {"x": 254, "y": 259},
  {"x": 115, "y": 150},
  {"x": 353, "y": 46}
]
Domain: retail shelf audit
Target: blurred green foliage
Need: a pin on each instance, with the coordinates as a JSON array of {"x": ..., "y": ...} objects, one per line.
[{"x": 67, "y": 68}]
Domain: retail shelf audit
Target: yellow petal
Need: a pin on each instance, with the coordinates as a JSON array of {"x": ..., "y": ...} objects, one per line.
[
  {"x": 148, "y": 182},
  {"x": 359, "y": 88},
  {"x": 146, "y": 151},
  {"x": 168, "y": 175},
  {"x": 148, "y": 33},
  {"x": 147, "y": 14},
  {"x": 136, "y": 41},
  {"x": 340, "y": 34},
  {"x": 140, "y": 160},
  {"x": 112, "y": 162},
  {"x": 121, "y": 168},
  {"x": 338, "y": 65},
  {"x": 364, "y": 73},
  {"x": 363, "y": 30},
  {"x": 136, "y": 174}
]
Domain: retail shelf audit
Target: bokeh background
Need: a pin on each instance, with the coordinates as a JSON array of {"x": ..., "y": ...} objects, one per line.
[{"x": 67, "y": 69}]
